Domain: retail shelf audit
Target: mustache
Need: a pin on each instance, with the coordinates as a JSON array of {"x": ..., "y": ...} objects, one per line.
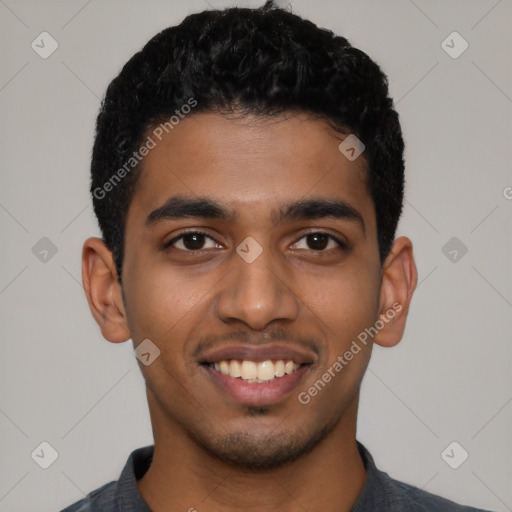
[{"x": 269, "y": 336}]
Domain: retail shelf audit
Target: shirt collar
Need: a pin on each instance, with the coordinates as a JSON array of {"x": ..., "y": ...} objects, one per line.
[{"x": 128, "y": 496}]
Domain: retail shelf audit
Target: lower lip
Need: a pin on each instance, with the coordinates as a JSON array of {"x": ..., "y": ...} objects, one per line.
[{"x": 258, "y": 394}]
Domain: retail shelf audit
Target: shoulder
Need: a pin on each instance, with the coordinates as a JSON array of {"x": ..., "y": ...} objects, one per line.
[
  {"x": 101, "y": 499},
  {"x": 121, "y": 494},
  {"x": 383, "y": 493},
  {"x": 413, "y": 499}
]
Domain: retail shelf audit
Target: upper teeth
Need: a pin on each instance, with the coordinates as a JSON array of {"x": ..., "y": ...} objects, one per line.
[{"x": 252, "y": 371}]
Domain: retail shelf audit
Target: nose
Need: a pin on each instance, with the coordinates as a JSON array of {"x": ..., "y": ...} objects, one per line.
[{"x": 258, "y": 292}]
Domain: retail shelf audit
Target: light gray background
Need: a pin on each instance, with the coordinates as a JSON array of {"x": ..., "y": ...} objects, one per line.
[{"x": 448, "y": 380}]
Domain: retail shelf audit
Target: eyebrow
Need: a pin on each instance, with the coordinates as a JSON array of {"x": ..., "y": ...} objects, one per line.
[{"x": 178, "y": 207}]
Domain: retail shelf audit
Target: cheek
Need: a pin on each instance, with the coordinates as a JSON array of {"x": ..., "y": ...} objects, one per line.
[
  {"x": 345, "y": 308},
  {"x": 164, "y": 310},
  {"x": 158, "y": 302},
  {"x": 347, "y": 304},
  {"x": 347, "y": 301}
]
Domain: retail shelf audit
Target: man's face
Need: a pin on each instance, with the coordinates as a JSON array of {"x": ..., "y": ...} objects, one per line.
[{"x": 212, "y": 297}]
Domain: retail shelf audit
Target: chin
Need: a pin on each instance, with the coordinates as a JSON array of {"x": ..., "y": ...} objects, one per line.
[{"x": 253, "y": 451}]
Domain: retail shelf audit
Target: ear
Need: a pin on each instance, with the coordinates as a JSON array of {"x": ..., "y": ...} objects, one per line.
[
  {"x": 399, "y": 278},
  {"x": 103, "y": 291}
]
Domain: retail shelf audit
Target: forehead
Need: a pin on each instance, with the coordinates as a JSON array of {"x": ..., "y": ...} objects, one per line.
[{"x": 254, "y": 164}]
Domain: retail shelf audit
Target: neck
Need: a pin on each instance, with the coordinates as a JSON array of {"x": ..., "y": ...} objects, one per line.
[{"x": 184, "y": 477}]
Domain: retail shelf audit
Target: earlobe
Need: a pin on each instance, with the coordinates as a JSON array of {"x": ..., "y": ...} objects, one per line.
[
  {"x": 399, "y": 280},
  {"x": 103, "y": 291}
]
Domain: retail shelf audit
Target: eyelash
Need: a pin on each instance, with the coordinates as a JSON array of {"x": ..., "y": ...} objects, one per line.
[{"x": 342, "y": 245}]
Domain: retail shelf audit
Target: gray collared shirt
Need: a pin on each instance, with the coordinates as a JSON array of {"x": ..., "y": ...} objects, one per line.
[{"x": 380, "y": 493}]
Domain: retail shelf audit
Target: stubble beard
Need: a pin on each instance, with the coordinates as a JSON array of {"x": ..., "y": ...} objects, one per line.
[{"x": 263, "y": 451}]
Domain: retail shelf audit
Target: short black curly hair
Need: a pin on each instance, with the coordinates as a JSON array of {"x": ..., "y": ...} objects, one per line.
[{"x": 262, "y": 61}]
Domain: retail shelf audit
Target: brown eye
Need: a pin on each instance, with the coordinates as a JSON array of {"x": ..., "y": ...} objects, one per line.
[
  {"x": 192, "y": 241},
  {"x": 319, "y": 242}
]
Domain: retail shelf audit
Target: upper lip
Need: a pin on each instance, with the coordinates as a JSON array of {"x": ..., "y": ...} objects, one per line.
[{"x": 257, "y": 353}]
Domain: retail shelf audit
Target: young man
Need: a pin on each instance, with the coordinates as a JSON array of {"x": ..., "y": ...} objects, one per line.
[{"x": 247, "y": 176}]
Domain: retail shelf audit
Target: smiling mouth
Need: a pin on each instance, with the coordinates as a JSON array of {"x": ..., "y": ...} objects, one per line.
[{"x": 254, "y": 372}]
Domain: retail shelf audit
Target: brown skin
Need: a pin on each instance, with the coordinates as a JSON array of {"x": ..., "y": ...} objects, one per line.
[{"x": 204, "y": 441}]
